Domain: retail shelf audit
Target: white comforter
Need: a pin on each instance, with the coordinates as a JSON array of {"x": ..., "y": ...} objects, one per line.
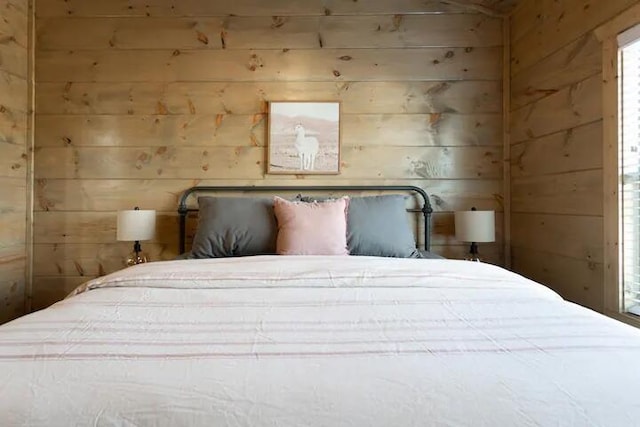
[{"x": 318, "y": 341}]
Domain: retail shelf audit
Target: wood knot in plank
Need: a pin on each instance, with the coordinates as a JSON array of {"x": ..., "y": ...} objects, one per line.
[
  {"x": 255, "y": 62},
  {"x": 397, "y": 21},
  {"x": 192, "y": 107},
  {"x": 277, "y": 22},
  {"x": 202, "y": 38},
  {"x": 223, "y": 39},
  {"x": 161, "y": 108}
]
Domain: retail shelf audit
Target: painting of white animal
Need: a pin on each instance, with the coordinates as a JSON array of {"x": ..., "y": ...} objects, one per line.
[
  {"x": 307, "y": 147},
  {"x": 304, "y": 137}
]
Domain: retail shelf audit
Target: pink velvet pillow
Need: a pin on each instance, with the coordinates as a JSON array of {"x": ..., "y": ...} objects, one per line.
[{"x": 311, "y": 228}]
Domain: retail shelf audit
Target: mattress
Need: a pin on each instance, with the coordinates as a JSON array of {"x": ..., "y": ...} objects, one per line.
[{"x": 317, "y": 341}]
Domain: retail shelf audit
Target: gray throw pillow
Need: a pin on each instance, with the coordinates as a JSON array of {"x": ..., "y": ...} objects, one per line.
[
  {"x": 235, "y": 226},
  {"x": 378, "y": 226}
]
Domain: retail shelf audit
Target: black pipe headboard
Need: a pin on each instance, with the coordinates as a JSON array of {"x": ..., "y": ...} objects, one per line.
[{"x": 183, "y": 210}]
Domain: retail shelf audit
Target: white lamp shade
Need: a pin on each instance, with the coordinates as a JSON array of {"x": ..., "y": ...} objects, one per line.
[
  {"x": 136, "y": 225},
  {"x": 475, "y": 226}
]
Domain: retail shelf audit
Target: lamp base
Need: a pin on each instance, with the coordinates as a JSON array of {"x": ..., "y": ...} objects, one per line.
[
  {"x": 137, "y": 256},
  {"x": 473, "y": 253}
]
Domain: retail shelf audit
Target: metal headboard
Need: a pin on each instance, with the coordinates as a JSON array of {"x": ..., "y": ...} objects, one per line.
[{"x": 183, "y": 210}]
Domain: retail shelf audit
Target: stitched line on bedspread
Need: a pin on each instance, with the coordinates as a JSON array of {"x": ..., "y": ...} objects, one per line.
[
  {"x": 538, "y": 319},
  {"x": 299, "y": 354},
  {"x": 294, "y": 330},
  {"x": 456, "y": 340},
  {"x": 324, "y": 303},
  {"x": 260, "y": 275}
]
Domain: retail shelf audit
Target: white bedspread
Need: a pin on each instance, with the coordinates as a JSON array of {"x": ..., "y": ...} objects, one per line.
[{"x": 318, "y": 341}]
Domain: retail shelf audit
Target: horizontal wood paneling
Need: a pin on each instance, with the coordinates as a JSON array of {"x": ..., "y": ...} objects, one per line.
[
  {"x": 14, "y": 107},
  {"x": 13, "y": 127},
  {"x": 556, "y": 160},
  {"x": 573, "y": 149},
  {"x": 49, "y": 290},
  {"x": 163, "y": 194},
  {"x": 13, "y": 26},
  {"x": 249, "y": 162},
  {"x": 12, "y": 231},
  {"x": 423, "y": 130},
  {"x": 575, "y": 105},
  {"x": 574, "y": 62},
  {"x": 12, "y": 284},
  {"x": 197, "y": 8},
  {"x": 572, "y": 236},
  {"x": 272, "y": 32},
  {"x": 232, "y": 130},
  {"x": 13, "y": 92},
  {"x": 466, "y": 31},
  {"x": 574, "y": 279},
  {"x": 13, "y": 58},
  {"x": 13, "y": 161},
  {"x": 306, "y": 65},
  {"x": 524, "y": 19},
  {"x": 137, "y": 101},
  {"x": 90, "y": 260},
  {"x": 576, "y": 193},
  {"x": 13, "y": 195},
  {"x": 558, "y": 23},
  {"x": 251, "y": 98}
]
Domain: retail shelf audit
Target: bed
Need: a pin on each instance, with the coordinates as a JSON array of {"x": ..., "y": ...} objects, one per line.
[{"x": 317, "y": 340}]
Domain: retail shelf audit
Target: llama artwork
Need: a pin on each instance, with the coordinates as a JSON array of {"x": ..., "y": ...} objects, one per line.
[
  {"x": 304, "y": 138},
  {"x": 307, "y": 147}
]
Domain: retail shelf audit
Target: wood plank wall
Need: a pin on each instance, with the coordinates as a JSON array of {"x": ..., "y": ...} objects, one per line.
[
  {"x": 137, "y": 101},
  {"x": 13, "y": 155},
  {"x": 556, "y": 136}
]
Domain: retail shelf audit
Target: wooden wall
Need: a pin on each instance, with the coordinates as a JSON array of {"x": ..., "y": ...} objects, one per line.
[
  {"x": 13, "y": 155},
  {"x": 556, "y": 151},
  {"x": 137, "y": 101}
]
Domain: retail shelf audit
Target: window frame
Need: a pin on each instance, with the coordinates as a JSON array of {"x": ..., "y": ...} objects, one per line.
[{"x": 608, "y": 35}]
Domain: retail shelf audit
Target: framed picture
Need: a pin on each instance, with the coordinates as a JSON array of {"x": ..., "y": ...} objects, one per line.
[{"x": 304, "y": 137}]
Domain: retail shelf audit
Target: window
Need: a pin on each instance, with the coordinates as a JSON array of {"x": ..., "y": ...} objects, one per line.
[
  {"x": 629, "y": 168},
  {"x": 620, "y": 39}
]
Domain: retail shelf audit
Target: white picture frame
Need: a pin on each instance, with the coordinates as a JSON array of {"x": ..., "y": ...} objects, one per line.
[{"x": 303, "y": 138}]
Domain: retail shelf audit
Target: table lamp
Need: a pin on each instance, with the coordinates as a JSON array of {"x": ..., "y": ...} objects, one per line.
[
  {"x": 134, "y": 226},
  {"x": 475, "y": 226}
]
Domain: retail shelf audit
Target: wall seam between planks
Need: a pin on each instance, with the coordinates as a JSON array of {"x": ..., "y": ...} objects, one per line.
[
  {"x": 30, "y": 157},
  {"x": 506, "y": 125}
]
